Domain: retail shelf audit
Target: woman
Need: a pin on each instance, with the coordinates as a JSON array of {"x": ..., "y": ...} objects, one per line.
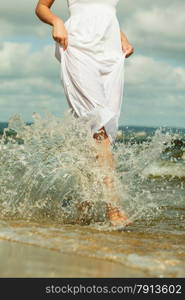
[{"x": 91, "y": 49}]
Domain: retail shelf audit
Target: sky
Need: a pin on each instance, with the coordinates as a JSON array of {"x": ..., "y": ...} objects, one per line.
[{"x": 154, "y": 87}]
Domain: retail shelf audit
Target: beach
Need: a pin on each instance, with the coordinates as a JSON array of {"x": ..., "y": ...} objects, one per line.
[
  {"x": 19, "y": 260},
  {"x": 53, "y": 203}
]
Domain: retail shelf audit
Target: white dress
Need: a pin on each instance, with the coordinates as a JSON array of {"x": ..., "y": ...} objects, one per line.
[{"x": 92, "y": 66}]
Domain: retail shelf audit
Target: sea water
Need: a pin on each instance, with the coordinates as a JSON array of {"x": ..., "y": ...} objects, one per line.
[{"x": 52, "y": 194}]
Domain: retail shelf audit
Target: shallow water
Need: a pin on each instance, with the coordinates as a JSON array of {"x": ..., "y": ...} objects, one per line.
[{"x": 45, "y": 178}]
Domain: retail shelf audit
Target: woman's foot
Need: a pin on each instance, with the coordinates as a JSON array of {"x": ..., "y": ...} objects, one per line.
[{"x": 117, "y": 217}]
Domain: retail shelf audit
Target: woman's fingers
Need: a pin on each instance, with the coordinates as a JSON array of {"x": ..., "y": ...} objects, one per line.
[
  {"x": 62, "y": 41},
  {"x": 60, "y": 35},
  {"x": 65, "y": 43},
  {"x": 128, "y": 50}
]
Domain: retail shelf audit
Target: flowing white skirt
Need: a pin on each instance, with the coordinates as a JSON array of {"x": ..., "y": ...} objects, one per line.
[{"x": 92, "y": 66}]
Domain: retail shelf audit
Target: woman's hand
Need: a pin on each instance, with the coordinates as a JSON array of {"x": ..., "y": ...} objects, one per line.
[
  {"x": 60, "y": 33},
  {"x": 127, "y": 49},
  {"x": 126, "y": 46}
]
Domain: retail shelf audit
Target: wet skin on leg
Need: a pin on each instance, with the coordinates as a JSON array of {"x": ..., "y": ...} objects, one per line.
[{"x": 105, "y": 158}]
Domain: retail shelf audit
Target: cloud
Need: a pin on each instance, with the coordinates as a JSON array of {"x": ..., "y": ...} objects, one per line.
[
  {"x": 157, "y": 28},
  {"x": 149, "y": 72},
  {"x": 18, "y": 59},
  {"x": 30, "y": 80},
  {"x": 154, "y": 74},
  {"x": 153, "y": 93},
  {"x": 20, "y": 19}
]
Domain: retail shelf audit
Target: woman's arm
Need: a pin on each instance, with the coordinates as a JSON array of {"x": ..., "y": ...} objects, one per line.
[
  {"x": 44, "y": 13},
  {"x": 126, "y": 46}
]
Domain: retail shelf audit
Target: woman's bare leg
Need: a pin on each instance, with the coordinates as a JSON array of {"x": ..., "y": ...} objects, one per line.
[{"x": 106, "y": 159}]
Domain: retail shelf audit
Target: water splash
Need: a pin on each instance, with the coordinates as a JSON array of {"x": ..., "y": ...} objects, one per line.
[
  {"x": 49, "y": 171},
  {"x": 133, "y": 161}
]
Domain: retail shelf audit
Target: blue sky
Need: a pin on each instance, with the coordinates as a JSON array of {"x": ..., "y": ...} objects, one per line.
[{"x": 154, "y": 90}]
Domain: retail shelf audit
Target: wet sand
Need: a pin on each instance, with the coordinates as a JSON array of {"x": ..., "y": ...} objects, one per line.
[{"x": 21, "y": 260}]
